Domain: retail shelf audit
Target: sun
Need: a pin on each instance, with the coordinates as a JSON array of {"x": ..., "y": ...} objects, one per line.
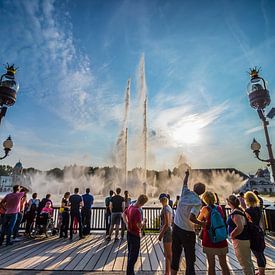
[{"x": 187, "y": 131}]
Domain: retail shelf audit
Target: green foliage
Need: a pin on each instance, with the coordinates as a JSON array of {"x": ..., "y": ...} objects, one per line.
[
  {"x": 5, "y": 170},
  {"x": 56, "y": 172}
]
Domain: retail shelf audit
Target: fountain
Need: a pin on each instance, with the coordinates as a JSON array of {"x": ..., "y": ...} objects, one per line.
[{"x": 121, "y": 149}]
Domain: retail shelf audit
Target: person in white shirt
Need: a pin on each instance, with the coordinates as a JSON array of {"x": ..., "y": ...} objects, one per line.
[{"x": 183, "y": 236}]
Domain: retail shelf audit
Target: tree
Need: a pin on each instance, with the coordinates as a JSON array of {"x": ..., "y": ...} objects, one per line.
[{"x": 5, "y": 170}]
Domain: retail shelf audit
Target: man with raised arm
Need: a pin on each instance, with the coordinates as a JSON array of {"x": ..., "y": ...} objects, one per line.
[{"x": 183, "y": 236}]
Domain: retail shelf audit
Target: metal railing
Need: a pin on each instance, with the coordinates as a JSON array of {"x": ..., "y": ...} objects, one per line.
[{"x": 152, "y": 214}]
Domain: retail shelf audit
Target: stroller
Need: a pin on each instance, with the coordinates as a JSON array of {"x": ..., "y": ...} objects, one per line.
[{"x": 43, "y": 225}]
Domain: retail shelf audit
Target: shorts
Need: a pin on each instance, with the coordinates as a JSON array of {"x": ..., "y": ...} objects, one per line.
[
  {"x": 211, "y": 251},
  {"x": 116, "y": 218},
  {"x": 167, "y": 237}
]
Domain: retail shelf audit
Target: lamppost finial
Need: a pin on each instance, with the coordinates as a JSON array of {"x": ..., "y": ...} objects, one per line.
[{"x": 254, "y": 72}]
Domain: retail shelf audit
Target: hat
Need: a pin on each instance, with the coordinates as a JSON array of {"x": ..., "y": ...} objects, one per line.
[{"x": 163, "y": 195}]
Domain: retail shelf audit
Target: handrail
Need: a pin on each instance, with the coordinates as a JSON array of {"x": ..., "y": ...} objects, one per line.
[{"x": 152, "y": 214}]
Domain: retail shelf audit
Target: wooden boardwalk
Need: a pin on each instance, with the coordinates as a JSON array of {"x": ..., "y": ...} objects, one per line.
[{"x": 95, "y": 254}]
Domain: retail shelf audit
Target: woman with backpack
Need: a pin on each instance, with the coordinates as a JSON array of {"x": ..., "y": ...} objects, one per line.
[
  {"x": 254, "y": 215},
  {"x": 239, "y": 234},
  {"x": 211, "y": 246}
]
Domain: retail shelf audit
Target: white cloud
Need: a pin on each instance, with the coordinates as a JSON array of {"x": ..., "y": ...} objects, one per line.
[
  {"x": 59, "y": 75},
  {"x": 181, "y": 124}
]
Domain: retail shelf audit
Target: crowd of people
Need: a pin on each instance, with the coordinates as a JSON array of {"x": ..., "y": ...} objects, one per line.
[
  {"x": 193, "y": 213},
  {"x": 200, "y": 209}
]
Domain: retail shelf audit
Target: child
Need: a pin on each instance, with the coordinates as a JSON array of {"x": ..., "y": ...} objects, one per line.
[{"x": 47, "y": 209}]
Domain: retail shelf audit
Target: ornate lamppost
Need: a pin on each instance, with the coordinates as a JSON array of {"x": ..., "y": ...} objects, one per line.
[
  {"x": 259, "y": 99},
  {"x": 8, "y": 90},
  {"x": 7, "y": 144}
]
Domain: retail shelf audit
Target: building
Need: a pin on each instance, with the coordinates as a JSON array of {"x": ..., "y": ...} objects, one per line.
[
  {"x": 5, "y": 183},
  {"x": 260, "y": 181},
  {"x": 16, "y": 178}
]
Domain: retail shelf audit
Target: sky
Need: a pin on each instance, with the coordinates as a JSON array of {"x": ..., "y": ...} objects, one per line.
[{"x": 75, "y": 58}]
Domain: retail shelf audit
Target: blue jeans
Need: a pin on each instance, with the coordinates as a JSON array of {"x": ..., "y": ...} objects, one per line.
[
  {"x": 17, "y": 224},
  {"x": 133, "y": 251},
  {"x": 7, "y": 228}
]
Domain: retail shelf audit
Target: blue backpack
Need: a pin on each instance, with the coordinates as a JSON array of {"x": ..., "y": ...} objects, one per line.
[{"x": 217, "y": 230}]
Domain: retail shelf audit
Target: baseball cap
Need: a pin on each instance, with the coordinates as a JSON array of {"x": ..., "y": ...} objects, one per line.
[{"x": 163, "y": 195}]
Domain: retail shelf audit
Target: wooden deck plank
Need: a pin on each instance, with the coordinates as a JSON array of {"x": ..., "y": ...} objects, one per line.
[
  {"x": 99, "y": 252},
  {"x": 120, "y": 257},
  {"x": 36, "y": 256},
  {"x": 158, "y": 251},
  {"x": 17, "y": 245},
  {"x": 94, "y": 254},
  {"x": 106, "y": 256},
  {"x": 110, "y": 261},
  {"x": 201, "y": 261},
  {"x": 80, "y": 266},
  {"x": 13, "y": 258},
  {"x": 125, "y": 260},
  {"x": 20, "y": 247},
  {"x": 145, "y": 260},
  {"x": 89, "y": 243},
  {"x": 82, "y": 244},
  {"x": 56, "y": 255},
  {"x": 151, "y": 251}
]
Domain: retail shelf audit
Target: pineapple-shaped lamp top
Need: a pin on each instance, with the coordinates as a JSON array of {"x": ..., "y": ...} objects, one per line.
[
  {"x": 257, "y": 91},
  {"x": 8, "y": 86},
  {"x": 254, "y": 72}
]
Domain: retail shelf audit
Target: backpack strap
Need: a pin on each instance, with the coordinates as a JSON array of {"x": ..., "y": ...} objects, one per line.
[{"x": 238, "y": 212}]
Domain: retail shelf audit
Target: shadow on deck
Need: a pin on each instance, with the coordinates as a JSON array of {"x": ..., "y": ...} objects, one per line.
[{"x": 94, "y": 254}]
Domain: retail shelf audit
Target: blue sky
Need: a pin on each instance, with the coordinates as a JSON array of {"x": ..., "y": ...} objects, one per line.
[{"x": 75, "y": 58}]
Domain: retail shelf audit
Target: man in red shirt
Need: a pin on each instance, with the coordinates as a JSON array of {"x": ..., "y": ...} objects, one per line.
[{"x": 132, "y": 217}]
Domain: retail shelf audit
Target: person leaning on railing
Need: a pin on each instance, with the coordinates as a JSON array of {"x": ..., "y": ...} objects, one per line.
[
  {"x": 65, "y": 212},
  {"x": 108, "y": 211}
]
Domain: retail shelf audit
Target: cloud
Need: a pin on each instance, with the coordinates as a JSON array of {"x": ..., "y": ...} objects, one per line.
[
  {"x": 180, "y": 123},
  {"x": 253, "y": 130},
  {"x": 59, "y": 74}
]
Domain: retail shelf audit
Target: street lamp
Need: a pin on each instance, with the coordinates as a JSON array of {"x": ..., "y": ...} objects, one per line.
[
  {"x": 259, "y": 99},
  {"x": 7, "y": 144},
  {"x": 8, "y": 90}
]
